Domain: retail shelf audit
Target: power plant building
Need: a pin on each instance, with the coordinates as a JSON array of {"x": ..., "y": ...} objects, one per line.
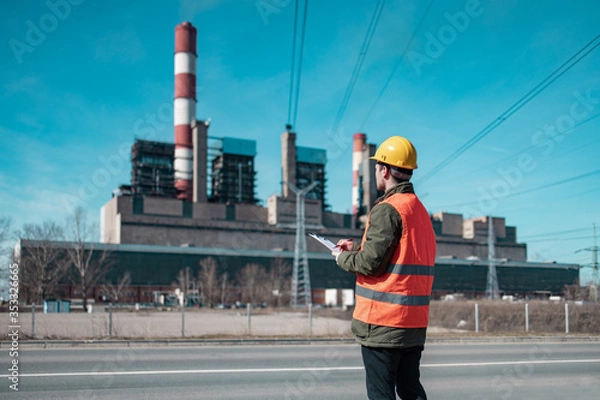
[{"x": 189, "y": 201}]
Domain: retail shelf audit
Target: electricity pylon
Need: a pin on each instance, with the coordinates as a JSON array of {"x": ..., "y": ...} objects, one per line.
[
  {"x": 491, "y": 291},
  {"x": 301, "y": 290},
  {"x": 595, "y": 280}
]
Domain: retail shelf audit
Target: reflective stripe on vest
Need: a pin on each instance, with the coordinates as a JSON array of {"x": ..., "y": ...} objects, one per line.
[
  {"x": 392, "y": 298},
  {"x": 400, "y": 297}
]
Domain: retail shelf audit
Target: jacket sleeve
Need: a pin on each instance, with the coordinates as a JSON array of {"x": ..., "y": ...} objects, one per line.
[{"x": 382, "y": 238}]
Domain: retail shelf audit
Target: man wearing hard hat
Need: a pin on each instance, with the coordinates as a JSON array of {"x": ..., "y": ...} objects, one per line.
[{"x": 394, "y": 274}]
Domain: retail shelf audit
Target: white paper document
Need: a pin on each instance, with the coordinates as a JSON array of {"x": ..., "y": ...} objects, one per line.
[{"x": 325, "y": 242}]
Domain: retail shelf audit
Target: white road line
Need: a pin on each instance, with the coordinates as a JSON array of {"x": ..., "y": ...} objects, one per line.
[
  {"x": 307, "y": 369},
  {"x": 483, "y": 364},
  {"x": 187, "y": 371}
]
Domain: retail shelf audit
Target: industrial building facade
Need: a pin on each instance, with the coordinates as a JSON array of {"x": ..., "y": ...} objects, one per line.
[{"x": 154, "y": 270}]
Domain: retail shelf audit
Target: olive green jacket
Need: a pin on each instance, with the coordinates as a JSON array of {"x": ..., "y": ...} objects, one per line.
[{"x": 382, "y": 237}]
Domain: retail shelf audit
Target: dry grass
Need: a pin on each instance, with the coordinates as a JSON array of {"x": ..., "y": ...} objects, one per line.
[{"x": 502, "y": 317}]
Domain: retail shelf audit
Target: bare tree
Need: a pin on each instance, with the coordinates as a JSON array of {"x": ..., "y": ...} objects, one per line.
[
  {"x": 223, "y": 285},
  {"x": 42, "y": 263},
  {"x": 280, "y": 280},
  {"x": 90, "y": 265},
  {"x": 5, "y": 227},
  {"x": 255, "y": 284},
  {"x": 115, "y": 290},
  {"x": 185, "y": 282},
  {"x": 207, "y": 277},
  {"x": 576, "y": 292},
  {"x": 5, "y": 224}
]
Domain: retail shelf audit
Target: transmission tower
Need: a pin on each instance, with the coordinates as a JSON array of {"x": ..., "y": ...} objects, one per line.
[
  {"x": 301, "y": 291},
  {"x": 594, "y": 265},
  {"x": 491, "y": 291}
]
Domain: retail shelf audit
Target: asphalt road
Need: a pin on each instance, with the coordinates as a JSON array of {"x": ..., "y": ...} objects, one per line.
[{"x": 449, "y": 372}]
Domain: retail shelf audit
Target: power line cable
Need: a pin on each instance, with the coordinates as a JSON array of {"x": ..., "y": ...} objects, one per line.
[
  {"x": 300, "y": 61},
  {"x": 575, "y": 178},
  {"x": 396, "y": 66},
  {"x": 566, "y": 66},
  {"x": 528, "y": 148},
  {"x": 558, "y": 239},
  {"x": 359, "y": 62},
  {"x": 293, "y": 68},
  {"x": 533, "y": 189},
  {"x": 555, "y": 200},
  {"x": 583, "y": 146},
  {"x": 581, "y": 194},
  {"x": 555, "y": 233}
]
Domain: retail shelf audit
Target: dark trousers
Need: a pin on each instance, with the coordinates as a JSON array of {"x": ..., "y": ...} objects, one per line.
[{"x": 391, "y": 371}]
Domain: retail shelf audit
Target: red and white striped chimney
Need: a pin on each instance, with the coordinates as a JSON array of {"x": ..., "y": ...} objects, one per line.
[
  {"x": 185, "y": 107},
  {"x": 360, "y": 140}
]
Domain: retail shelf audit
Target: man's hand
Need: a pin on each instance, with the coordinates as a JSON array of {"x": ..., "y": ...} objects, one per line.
[
  {"x": 345, "y": 244},
  {"x": 342, "y": 245}
]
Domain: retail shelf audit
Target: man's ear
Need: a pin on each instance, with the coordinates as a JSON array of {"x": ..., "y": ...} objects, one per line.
[{"x": 387, "y": 172}]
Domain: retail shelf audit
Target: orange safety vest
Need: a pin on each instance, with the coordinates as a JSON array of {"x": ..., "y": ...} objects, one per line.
[{"x": 400, "y": 297}]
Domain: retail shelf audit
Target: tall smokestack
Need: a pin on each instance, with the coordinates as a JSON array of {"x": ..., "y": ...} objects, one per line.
[
  {"x": 185, "y": 107},
  {"x": 358, "y": 152},
  {"x": 288, "y": 161}
]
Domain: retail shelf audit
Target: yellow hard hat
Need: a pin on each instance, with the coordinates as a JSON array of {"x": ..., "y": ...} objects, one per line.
[{"x": 397, "y": 152}]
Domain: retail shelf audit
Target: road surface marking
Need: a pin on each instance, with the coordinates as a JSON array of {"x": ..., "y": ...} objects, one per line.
[{"x": 307, "y": 369}]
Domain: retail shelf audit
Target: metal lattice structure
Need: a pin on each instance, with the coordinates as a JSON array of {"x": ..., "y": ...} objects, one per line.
[
  {"x": 491, "y": 291},
  {"x": 232, "y": 171},
  {"x": 152, "y": 168},
  {"x": 594, "y": 265},
  {"x": 301, "y": 290}
]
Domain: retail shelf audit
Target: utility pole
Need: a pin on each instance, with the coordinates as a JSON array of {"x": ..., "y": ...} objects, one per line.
[
  {"x": 301, "y": 290},
  {"x": 491, "y": 291},
  {"x": 595, "y": 280},
  {"x": 239, "y": 182}
]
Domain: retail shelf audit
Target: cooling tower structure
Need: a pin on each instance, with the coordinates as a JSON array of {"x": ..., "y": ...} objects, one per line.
[{"x": 184, "y": 108}]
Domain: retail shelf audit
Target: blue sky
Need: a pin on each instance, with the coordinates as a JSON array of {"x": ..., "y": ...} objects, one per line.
[{"x": 80, "y": 79}]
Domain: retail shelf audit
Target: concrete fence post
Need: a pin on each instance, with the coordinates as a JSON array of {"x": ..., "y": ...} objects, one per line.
[
  {"x": 526, "y": 317},
  {"x": 310, "y": 320},
  {"x": 110, "y": 310},
  {"x": 249, "y": 308},
  {"x": 33, "y": 320},
  {"x": 566, "y": 317},
  {"x": 183, "y": 319},
  {"x": 476, "y": 317}
]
